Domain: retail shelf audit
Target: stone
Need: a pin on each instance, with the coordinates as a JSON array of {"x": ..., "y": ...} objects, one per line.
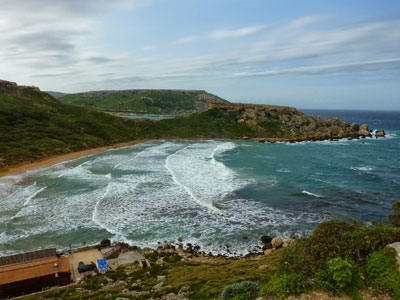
[
  {"x": 161, "y": 277},
  {"x": 364, "y": 131},
  {"x": 144, "y": 263},
  {"x": 380, "y": 133},
  {"x": 277, "y": 242},
  {"x": 267, "y": 246},
  {"x": 158, "y": 286},
  {"x": 185, "y": 290},
  {"x": 355, "y": 127},
  {"x": 268, "y": 251},
  {"x": 263, "y": 267},
  {"x": 265, "y": 239}
]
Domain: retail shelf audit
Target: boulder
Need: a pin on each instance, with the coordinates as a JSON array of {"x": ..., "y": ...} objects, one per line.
[
  {"x": 380, "y": 133},
  {"x": 364, "y": 130},
  {"x": 158, "y": 286},
  {"x": 355, "y": 127},
  {"x": 265, "y": 239},
  {"x": 268, "y": 251},
  {"x": 267, "y": 246},
  {"x": 277, "y": 242},
  {"x": 185, "y": 290}
]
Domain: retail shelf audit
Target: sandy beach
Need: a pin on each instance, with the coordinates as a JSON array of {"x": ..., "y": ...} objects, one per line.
[{"x": 48, "y": 161}]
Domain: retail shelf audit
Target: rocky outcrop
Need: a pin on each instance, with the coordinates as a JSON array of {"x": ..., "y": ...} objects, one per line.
[
  {"x": 380, "y": 133},
  {"x": 289, "y": 123}
]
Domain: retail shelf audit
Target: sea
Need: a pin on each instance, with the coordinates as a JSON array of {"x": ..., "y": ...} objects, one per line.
[{"x": 219, "y": 194}]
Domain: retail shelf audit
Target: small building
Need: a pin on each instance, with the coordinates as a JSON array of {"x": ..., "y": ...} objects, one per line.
[{"x": 31, "y": 272}]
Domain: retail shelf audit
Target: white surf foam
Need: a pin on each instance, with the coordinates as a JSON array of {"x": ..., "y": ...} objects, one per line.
[
  {"x": 362, "y": 168},
  {"x": 206, "y": 180},
  {"x": 312, "y": 194},
  {"x": 284, "y": 170}
]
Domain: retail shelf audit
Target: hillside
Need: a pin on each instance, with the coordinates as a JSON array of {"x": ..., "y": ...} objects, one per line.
[
  {"x": 34, "y": 125},
  {"x": 245, "y": 121},
  {"x": 142, "y": 102}
]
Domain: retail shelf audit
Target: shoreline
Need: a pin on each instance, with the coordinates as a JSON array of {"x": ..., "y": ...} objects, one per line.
[{"x": 51, "y": 160}]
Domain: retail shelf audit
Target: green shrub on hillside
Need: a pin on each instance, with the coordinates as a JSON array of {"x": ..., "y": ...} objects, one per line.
[
  {"x": 339, "y": 276},
  {"x": 285, "y": 285},
  {"x": 383, "y": 274},
  {"x": 394, "y": 219},
  {"x": 241, "y": 291},
  {"x": 337, "y": 239}
]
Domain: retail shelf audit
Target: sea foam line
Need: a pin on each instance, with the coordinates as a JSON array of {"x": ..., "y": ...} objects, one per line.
[
  {"x": 312, "y": 194},
  {"x": 96, "y": 220},
  {"x": 187, "y": 189},
  {"x": 28, "y": 200}
]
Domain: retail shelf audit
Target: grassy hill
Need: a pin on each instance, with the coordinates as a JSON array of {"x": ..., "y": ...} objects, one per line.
[
  {"x": 33, "y": 125},
  {"x": 155, "y": 102}
]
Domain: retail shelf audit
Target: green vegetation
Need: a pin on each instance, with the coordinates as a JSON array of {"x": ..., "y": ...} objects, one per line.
[
  {"x": 339, "y": 276},
  {"x": 159, "y": 102},
  {"x": 283, "y": 286},
  {"x": 35, "y": 125},
  {"x": 394, "y": 219},
  {"x": 213, "y": 123},
  {"x": 241, "y": 291},
  {"x": 383, "y": 274}
]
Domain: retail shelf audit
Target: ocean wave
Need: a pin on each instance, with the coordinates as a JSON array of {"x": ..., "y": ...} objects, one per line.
[
  {"x": 362, "y": 168},
  {"x": 312, "y": 194},
  {"x": 284, "y": 170},
  {"x": 184, "y": 167}
]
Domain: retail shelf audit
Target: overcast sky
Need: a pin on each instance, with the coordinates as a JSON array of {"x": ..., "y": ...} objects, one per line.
[{"x": 308, "y": 54}]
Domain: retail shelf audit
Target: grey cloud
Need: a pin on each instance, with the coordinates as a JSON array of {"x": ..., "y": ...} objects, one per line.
[
  {"x": 100, "y": 59},
  {"x": 366, "y": 67},
  {"x": 75, "y": 7}
]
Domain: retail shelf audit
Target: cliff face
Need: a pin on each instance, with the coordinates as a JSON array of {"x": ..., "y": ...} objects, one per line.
[{"x": 293, "y": 124}]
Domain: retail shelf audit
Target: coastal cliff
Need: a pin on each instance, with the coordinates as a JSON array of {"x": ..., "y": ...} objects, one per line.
[{"x": 292, "y": 123}]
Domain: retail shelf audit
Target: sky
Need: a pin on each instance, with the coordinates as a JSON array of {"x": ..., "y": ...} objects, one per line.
[{"x": 308, "y": 54}]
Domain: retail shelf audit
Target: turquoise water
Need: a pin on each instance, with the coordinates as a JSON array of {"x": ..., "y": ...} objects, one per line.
[{"x": 211, "y": 193}]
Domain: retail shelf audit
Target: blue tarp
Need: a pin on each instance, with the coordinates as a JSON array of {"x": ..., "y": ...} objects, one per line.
[{"x": 102, "y": 264}]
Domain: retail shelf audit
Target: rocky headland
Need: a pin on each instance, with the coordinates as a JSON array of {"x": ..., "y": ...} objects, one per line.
[{"x": 294, "y": 125}]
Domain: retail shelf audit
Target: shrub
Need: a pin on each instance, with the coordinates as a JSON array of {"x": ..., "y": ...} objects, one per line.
[
  {"x": 337, "y": 239},
  {"x": 285, "y": 285},
  {"x": 394, "y": 219},
  {"x": 241, "y": 291},
  {"x": 382, "y": 273}
]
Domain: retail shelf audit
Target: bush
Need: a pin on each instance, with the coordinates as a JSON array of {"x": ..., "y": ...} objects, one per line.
[
  {"x": 285, "y": 285},
  {"x": 241, "y": 291},
  {"x": 332, "y": 239},
  {"x": 339, "y": 276},
  {"x": 394, "y": 219},
  {"x": 382, "y": 273}
]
